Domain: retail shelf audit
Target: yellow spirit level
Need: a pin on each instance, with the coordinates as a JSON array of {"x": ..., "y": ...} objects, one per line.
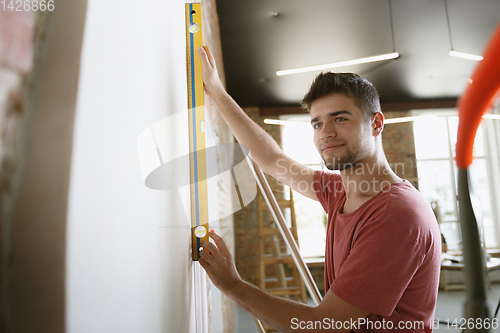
[{"x": 196, "y": 118}]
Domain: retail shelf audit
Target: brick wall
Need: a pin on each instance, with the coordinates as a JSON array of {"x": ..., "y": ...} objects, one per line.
[
  {"x": 399, "y": 147},
  {"x": 17, "y": 30},
  {"x": 246, "y": 220}
]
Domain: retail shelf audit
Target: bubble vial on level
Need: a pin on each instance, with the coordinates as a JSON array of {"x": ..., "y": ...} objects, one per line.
[
  {"x": 200, "y": 231},
  {"x": 193, "y": 28}
]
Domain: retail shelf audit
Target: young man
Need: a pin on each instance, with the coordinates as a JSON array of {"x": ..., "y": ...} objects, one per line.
[{"x": 383, "y": 247}]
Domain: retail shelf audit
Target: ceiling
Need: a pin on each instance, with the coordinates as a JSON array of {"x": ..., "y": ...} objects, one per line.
[{"x": 260, "y": 37}]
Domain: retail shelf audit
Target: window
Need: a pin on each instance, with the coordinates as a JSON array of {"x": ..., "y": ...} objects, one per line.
[
  {"x": 435, "y": 141},
  {"x": 297, "y": 141}
]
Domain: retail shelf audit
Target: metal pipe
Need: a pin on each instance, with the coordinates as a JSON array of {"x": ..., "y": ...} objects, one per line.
[{"x": 475, "y": 306}]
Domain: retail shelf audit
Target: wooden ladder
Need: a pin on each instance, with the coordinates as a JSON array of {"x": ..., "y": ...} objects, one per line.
[{"x": 286, "y": 281}]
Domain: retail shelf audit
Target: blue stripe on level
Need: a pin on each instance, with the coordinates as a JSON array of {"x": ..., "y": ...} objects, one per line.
[{"x": 195, "y": 148}]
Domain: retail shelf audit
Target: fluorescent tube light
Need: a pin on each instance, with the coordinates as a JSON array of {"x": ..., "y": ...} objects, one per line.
[
  {"x": 339, "y": 64},
  {"x": 386, "y": 121},
  {"x": 406, "y": 119},
  {"x": 466, "y": 56},
  {"x": 492, "y": 116},
  {"x": 282, "y": 122}
]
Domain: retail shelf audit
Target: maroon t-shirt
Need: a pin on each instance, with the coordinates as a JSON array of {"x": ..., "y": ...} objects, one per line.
[{"x": 384, "y": 257}]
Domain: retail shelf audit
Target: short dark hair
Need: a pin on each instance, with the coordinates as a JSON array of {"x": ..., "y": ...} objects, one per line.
[{"x": 364, "y": 93}]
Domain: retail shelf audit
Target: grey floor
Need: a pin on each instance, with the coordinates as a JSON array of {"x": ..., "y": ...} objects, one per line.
[{"x": 449, "y": 307}]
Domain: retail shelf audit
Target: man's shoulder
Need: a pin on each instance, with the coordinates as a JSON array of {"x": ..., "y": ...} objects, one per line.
[
  {"x": 408, "y": 207},
  {"x": 405, "y": 197}
]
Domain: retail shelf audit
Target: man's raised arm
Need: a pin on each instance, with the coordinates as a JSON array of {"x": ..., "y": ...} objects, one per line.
[{"x": 263, "y": 149}]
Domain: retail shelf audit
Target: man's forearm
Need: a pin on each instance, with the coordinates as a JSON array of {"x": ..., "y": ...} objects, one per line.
[
  {"x": 263, "y": 149},
  {"x": 274, "y": 311}
]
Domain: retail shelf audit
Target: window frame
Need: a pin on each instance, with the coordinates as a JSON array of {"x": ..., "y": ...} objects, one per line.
[{"x": 491, "y": 153}]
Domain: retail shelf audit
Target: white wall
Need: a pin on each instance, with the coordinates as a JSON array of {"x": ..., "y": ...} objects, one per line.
[{"x": 128, "y": 258}]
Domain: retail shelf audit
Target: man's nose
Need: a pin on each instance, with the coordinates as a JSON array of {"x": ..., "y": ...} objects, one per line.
[{"x": 328, "y": 130}]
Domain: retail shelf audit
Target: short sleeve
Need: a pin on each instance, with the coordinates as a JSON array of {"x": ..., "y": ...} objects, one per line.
[
  {"x": 328, "y": 186},
  {"x": 379, "y": 267}
]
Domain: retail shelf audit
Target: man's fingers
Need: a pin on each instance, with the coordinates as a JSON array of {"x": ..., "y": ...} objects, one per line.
[
  {"x": 205, "y": 61},
  {"x": 205, "y": 256},
  {"x": 220, "y": 243},
  {"x": 207, "y": 246},
  {"x": 210, "y": 56},
  {"x": 206, "y": 56},
  {"x": 204, "y": 264}
]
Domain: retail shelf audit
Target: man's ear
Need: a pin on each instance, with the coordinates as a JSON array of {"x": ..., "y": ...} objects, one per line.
[{"x": 378, "y": 123}]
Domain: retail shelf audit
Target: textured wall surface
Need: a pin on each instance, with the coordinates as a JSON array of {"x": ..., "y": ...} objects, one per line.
[
  {"x": 43, "y": 48},
  {"x": 211, "y": 37}
]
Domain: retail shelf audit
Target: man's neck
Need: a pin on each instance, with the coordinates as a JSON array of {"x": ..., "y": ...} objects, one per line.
[{"x": 365, "y": 180}]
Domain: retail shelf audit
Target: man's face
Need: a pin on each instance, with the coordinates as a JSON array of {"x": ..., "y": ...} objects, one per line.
[{"x": 341, "y": 133}]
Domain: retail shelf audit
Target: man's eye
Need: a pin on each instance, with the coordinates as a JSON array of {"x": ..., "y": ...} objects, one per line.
[
  {"x": 316, "y": 125},
  {"x": 340, "y": 119}
]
